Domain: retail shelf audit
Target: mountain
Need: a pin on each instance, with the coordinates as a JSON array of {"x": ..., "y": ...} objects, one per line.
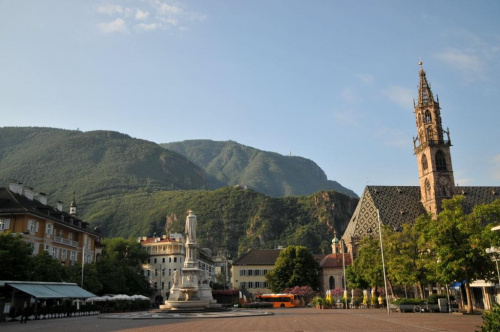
[
  {"x": 93, "y": 164},
  {"x": 231, "y": 163},
  {"x": 230, "y": 219}
]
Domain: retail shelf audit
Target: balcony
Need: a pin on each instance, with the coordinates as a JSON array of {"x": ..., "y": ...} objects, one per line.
[
  {"x": 431, "y": 143},
  {"x": 67, "y": 242}
]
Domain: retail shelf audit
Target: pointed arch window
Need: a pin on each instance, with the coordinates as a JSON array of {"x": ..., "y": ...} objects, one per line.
[
  {"x": 331, "y": 282},
  {"x": 427, "y": 117},
  {"x": 425, "y": 165},
  {"x": 440, "y": 161},
  {"x": 430, "y": 133}
]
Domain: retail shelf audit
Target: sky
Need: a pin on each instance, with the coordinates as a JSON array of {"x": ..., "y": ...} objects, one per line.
[{"x": 331, "y": 81}]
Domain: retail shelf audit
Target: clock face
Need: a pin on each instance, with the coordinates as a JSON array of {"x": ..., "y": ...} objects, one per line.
[{"x": 443, "y": 180}]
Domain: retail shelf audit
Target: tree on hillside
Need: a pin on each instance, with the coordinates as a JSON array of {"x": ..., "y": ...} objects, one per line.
[
  {"x": 15, "y": 257},
  {"x": 295, "y": 266},
  {"x": 459, "y": 242}
]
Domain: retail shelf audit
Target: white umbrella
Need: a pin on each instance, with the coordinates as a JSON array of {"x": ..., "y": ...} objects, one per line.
[
  {"x": 139, "y": 297},
  {"x": 122, "y": 297}
]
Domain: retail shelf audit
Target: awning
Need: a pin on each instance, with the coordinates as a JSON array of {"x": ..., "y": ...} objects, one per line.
[
  {"x": 455, "y": 284},
  {"x": 51, "y": 290}
]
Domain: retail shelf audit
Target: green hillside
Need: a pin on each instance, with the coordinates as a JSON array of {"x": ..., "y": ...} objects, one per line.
[
  {"x": 230, "y": 218},
  {"x": 230, "y": 163},
  {"x": 94, "y": 164}
]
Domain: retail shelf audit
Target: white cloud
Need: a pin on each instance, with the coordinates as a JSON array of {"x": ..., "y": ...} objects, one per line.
[
  {"x": 347, "y": 117},
  {"x": 153, "y": 14},
  {"x": 148, "y": 27},
  {"x": 110, "y": 9},
  {"x": 366, "y": 78},
  {"x": 349, "y": 95},
  {"x": 399, "y": 95},
  {"x": 469, "y": 64},
  {"x": 393, "y": 137},
  {"x": 117, "y": 25},
  {"x": 141, "y": 15}
]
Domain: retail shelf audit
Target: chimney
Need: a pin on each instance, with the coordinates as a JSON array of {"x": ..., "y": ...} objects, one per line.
[
  {"x": 16, "y": 187},
  {"x": 59, "y": 205},
  {"x": 29, "y": 193},
  {"x": 42, "y": 198}
]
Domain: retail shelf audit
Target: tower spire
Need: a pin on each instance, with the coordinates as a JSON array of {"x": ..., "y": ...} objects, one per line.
[
  {"x": 72, "y": 207},
  {"x": 432, "y": 150}
]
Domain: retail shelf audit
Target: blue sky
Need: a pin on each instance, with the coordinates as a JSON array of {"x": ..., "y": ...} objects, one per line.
[{"x": 332, "y": 81}]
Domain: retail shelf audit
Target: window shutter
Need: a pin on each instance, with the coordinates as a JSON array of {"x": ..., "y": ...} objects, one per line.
[{"x": 36, "y": 226}]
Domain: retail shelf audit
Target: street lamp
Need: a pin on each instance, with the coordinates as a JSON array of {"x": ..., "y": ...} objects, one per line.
[
  {"x": 383, "y": 261},
  {"x": 494, "y": 252},
  {"x": 343, "y": 267}
]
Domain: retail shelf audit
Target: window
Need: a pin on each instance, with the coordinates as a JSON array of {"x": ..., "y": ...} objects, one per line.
[
  {"x": 430, "y": 133},
  {"x": 49, "y": 229},
  {"x": 70, "y": 236},
  {"x": 61, "y": 233},
  {"x": 331, "y": 282},
  {"x": 257, "y": 284},
  {"x": 264, "y": 284},
  {"x": 427, "y": 118},
  {"x": 163, "y": 260},
  {"x": 46, "y": 247},
  {"x": 154, "y": 261},
  {"x": 55, "y": 252},
  {"x": 72, "y": 256},
  {"x": 149, "y": 273},
  {"x": 170, "y": 259},
  {"x": 32, "y": 226},
  {"x": 264, "y": 272},
  {"x": 156, "y": 272},
  {"x": 243, "y": 284},
  {"x": 169, "y": 272},
  {"x": 36, "y": 247},
  {"x": 4, "y": 224},
  {"x": 63, "y": 254},
  {"x": 257, "y": 272},
  {"x": 250, "y": 284},
  {"x": 440, "y": 161},
  {"x": 250, "y": 272},
  {"x": 424, "y": 165},
  {"x": 163, "y": 272},
  {"x": 175, "y": 259},
  {"x": 163, "y": 285},
  {"x": 243, "y": 273}
]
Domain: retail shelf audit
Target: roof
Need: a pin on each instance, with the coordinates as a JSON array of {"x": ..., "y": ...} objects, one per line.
[
  {"x": 335, "y": 260},
  {"x": 14, "y": 203},
  {"x": 399, "y": 205},
  {"x": 259, "y": 257},
  {"x": 49, "y": 290}
]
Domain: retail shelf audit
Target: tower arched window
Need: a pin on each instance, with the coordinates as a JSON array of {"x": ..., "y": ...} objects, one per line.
[
  {"x": 428, "y": 117},
  {"x": 331, "y": 282},
  {"x": 425, "y": 165},
  {"x": 440, "y": 161},
  {"x": 430, "y": 133}
]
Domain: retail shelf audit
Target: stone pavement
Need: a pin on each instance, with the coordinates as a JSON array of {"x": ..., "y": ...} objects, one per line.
[{"x": 285, "y": 320}]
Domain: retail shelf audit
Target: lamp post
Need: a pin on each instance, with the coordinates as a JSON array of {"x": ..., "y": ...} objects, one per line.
[
  {"x": 383, "y": 261},
  {"x": 494, "y": 252},
  {"x": 343, "y": 267}
]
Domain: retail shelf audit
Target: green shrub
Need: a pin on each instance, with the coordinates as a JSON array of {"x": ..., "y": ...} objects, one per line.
[
  {"x": 409, "y": 301},
  {"x": 491, "y": 319},
  {"x": 258, "y": 305}
]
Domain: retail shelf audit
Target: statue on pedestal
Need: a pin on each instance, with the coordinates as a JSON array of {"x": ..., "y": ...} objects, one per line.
[{"x": 191, "y": 227}]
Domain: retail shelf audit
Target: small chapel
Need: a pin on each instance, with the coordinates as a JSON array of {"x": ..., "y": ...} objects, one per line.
[{"x": 397, "y": 205}]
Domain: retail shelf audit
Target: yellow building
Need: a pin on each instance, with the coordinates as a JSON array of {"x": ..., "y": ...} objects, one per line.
[
  {"x": 249, "y": 271},
  {"x": 64, "y": 236}
]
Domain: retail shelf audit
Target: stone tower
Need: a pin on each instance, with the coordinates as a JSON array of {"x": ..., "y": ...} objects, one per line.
[{"x": 432, "y": 150}]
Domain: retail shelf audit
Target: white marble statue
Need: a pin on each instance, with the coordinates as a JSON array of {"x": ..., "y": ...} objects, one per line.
[{"x": 191, "y": 227}]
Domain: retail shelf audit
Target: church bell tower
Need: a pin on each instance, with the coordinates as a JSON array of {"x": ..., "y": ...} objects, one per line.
[{"x": 432, "y": 150}]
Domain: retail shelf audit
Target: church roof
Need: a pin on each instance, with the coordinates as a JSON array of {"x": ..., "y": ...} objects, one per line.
[
  {"x": 259, "y": 257},
  {"x": 398, "y": 205},
  {"x": 335, "y": 260}
]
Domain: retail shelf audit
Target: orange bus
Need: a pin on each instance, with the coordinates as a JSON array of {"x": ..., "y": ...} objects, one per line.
[{"x": 282, "y": 300}]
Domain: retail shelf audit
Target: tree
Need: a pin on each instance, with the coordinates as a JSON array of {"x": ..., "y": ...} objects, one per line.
[
  {"x": 367, "y": 268},
  {"x": 459, "y": 242},
  {"x": 295, "y": 266},
  {"x": 15, "y": 255},
  {"x": 46, "y": 268}
]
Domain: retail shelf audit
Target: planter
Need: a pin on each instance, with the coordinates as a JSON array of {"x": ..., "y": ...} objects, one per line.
[{"x": 406, "y": 307}]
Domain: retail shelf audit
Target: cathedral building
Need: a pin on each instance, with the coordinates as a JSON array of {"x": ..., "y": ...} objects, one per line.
[{"x": 397, "y": 205}]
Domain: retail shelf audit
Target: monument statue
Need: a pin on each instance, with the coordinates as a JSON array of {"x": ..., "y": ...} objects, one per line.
[
  {"x": 175, "y": 278},
  {"x": 191, "y": 227}
]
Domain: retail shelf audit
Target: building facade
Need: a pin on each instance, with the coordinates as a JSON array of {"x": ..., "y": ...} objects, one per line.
[
  {"x": 166, "y": 255},
  {"x": 249, "y": 271},
  {"x": 46, "y": 228}
]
